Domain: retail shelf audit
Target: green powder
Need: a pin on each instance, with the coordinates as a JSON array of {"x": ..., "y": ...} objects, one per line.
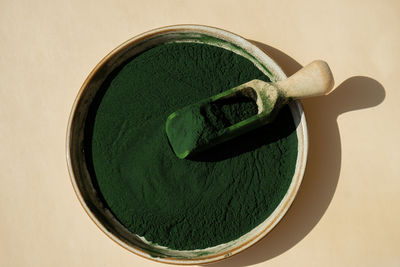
[
  {"x": 226, "y": 112},
  {"x": 195, "y": 127},
  {"x": 213, "y": 198}
]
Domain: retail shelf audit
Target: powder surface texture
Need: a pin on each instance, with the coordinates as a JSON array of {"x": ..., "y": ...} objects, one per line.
[{"x": 212, "y": 198}]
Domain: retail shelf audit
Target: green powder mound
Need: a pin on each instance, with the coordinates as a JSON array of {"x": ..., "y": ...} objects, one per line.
[{"x": 210, "y": 199}]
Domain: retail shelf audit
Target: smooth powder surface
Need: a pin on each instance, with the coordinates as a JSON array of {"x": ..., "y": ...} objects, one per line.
[{"x": 210, "y": 199}]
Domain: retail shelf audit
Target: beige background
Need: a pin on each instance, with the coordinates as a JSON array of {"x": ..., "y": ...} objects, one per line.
[{"x": 347, "y": 211}]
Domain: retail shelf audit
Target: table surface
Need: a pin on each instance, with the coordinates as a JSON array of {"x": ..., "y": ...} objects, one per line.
[{"x": 347, "y": 210}]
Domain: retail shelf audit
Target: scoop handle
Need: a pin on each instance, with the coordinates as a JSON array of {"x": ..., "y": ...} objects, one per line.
[{"x": 313, "y": 80}]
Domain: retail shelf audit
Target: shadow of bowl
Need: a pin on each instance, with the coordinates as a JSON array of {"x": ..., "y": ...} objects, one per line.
[{"x": 323, "y": 165}]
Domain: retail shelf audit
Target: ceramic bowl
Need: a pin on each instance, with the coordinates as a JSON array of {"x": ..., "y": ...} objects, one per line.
[{"x": 82, "y": 181}]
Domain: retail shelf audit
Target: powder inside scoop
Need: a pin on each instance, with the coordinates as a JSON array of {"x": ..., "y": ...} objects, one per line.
[{"x": 197, "y": 126}]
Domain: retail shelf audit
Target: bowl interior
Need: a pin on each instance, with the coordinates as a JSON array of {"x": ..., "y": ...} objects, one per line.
[{"x": 91, "y": 199}]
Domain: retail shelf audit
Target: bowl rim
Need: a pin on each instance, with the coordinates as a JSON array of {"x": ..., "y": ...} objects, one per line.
[{"x": 302, "y": 134}]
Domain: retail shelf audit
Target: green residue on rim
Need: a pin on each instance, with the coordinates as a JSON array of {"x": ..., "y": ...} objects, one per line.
[{"x": 211, "y": 40}]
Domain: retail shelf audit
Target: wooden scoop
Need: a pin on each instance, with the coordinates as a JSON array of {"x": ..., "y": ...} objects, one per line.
[{"x": 193, "y": 129}]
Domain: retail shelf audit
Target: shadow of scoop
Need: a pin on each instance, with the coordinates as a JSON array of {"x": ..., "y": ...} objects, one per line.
[
  {"x": 355, "y": 93},
  {"x": 323, "y": 164}
]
